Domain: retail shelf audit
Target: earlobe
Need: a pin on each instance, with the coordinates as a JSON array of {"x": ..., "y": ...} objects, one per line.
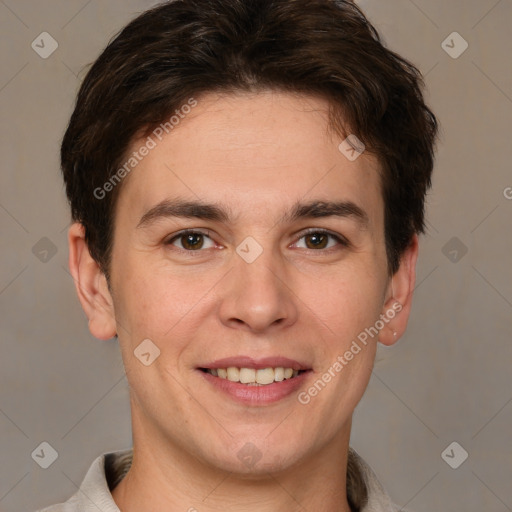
[
  {"x": 397, "y": 307},
  {"x": 91, "y": 285}
]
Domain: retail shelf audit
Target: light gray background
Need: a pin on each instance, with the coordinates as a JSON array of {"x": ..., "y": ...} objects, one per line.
[{"x": 448, "y": 379}]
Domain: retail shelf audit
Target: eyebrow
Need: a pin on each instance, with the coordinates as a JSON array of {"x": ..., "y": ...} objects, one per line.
[
  {"x": 187, "y": 209},
  {"x": 318, "y": 209},
  {"x": 208, "y": 211}
]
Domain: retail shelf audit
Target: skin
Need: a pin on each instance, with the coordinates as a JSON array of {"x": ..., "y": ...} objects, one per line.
[{"x": 256, "y": 155}]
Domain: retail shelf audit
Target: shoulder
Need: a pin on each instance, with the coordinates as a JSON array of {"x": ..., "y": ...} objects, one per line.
[
  {"x": 374, "y": 497},
  {"x": 94, "y": 493}
]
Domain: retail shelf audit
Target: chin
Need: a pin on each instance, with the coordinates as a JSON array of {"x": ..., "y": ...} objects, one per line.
[{"x": 247, "y": 460}]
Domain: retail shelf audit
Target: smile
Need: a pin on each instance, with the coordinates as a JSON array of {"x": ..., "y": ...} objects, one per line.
[{"x": 253, "y": 376}]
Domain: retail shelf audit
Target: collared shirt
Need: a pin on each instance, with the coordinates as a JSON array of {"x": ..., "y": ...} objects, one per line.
[{"x": 364, "y": 491}]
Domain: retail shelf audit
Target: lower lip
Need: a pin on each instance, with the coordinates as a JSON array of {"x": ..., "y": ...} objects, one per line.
[{"x": 257, "y": 395}]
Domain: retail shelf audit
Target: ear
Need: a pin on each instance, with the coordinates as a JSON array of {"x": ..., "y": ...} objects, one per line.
[
  {"x": 397, "y": 306},
  {"x": 91, "y": 285}
]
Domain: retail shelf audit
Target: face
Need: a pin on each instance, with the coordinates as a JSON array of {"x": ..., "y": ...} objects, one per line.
[{"x": 247, "y": 239}]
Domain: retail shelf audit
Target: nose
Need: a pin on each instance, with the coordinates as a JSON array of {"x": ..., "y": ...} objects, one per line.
[{"x": 258, "y": 296}]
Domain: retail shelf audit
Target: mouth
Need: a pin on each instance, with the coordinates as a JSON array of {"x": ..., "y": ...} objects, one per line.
[
  {"x": 253, "y": 376},
  {"x": 255, "y": 382}
]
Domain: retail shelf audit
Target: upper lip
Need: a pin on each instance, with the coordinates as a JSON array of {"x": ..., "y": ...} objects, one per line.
[{"x": 257, "y": 364}]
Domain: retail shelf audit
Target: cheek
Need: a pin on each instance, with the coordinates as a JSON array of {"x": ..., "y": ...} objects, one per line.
[
  {"x": 345, "y": 303},
  {"x": 347, "y": 310},
  {"x": 156, "y": 302}
]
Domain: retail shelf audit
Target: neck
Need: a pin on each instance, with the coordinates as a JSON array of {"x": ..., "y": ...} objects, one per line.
[{"x": 164, "y": 477}]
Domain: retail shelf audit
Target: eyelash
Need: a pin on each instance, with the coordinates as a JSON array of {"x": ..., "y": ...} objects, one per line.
[{"x": 342, "y": 241}]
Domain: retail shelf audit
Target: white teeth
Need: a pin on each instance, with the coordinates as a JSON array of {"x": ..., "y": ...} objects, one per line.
[
  {"x": 247, "y": 375},
  {"x": 279, "y": 374},
  {"x": 233, "y": 374},
  {"x": 265, "y": 376},
  {"x": 254, "y": 377}
]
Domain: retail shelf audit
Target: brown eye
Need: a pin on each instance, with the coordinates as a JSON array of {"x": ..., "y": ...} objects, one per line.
[
  {"x": 320, "y": 239},
  {"x": 191, "y": 241},
  {"x": 317, "y": 240}
]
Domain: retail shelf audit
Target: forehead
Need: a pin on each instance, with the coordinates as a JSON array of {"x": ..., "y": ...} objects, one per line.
[{"x": 253, "y": 152}]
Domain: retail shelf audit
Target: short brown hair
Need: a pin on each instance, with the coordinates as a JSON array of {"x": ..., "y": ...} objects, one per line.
[{"x": 182, "y": 48}]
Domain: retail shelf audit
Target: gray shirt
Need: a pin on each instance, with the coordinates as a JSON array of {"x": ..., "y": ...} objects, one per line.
[{"x": 363, "y": 488}]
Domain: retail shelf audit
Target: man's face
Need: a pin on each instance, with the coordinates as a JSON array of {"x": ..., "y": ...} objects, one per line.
[{"x": 262, "y": 283}]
